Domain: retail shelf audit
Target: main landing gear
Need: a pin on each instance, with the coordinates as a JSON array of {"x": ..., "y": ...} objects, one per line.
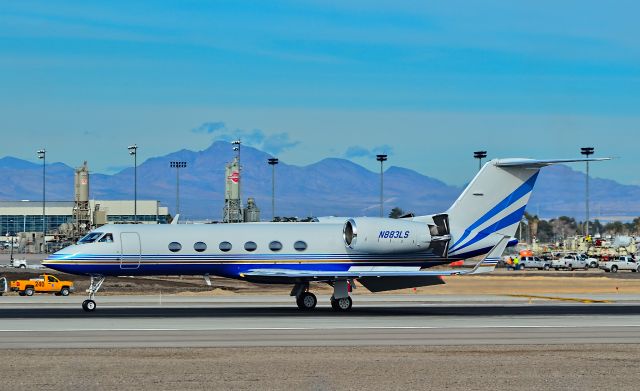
[
  {"x": 89, "y": 305},
  {"x": 343, "y": 304},
  {"x": 340, "y": 300}
]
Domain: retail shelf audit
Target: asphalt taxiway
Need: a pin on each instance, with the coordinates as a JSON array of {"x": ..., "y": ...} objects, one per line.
[{"x": 273, "y": 320}]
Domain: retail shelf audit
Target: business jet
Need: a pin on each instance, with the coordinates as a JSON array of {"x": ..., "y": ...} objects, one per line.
[{"x": 382, "y": 254}]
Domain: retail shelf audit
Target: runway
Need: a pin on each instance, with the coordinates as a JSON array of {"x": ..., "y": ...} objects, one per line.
[{"x": 272, "y": 321}]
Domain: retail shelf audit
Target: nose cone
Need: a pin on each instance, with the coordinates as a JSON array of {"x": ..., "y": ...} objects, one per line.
[{"x": 61, "y": 259}]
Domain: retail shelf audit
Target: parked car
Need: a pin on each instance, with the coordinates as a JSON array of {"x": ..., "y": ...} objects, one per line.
[
  {"x": 570, "y": 262},
  {"x": 534, "y": 263},
  {"x": 623, "y": 262}
]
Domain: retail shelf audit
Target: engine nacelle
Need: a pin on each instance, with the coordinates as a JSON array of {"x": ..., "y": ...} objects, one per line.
[{"x": 380, "y": 236}]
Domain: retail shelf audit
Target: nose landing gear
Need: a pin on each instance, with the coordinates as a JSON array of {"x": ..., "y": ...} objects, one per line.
[{"x": 89, "y": 305}]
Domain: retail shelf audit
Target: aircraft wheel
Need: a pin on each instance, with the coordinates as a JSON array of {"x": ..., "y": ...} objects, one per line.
[
  {"x": 89, "y": 305},
  {"x": 307, "y": 301},
  {"x": 343, "y": 304}
]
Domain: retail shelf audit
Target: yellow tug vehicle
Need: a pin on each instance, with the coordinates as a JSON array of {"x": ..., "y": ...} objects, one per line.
[{"x": 45, "y": 283}]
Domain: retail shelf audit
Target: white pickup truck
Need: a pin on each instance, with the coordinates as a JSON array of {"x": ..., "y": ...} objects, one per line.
[
  {"x": 623, "y": 262},
  {"x": 534, "y": 263},
  {"x": 570, "y": 262}
]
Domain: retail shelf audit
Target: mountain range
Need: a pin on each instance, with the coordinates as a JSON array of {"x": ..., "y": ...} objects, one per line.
[{"x": 331, "y": 186}]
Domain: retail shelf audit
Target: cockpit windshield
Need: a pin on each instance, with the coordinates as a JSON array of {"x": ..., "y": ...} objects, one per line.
[{"x": 90, "y": 237}]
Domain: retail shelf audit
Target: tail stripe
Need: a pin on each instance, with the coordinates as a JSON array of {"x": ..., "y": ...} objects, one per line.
[
  {"x": 512, "y": 198},
  {"x": 509, "y": 220}
]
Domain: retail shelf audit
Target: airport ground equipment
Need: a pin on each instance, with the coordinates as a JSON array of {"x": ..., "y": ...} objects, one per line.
[
  {"x": 45, "y": 283},
  {"x": 535, "y": 263},
  {"x": 623, "y": 262},
  {"x": 570, "y": 262},
  {"x": 4, "y": 288}
]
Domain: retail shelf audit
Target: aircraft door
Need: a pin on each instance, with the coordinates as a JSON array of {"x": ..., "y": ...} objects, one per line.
[{"x": 130, "y": 250}]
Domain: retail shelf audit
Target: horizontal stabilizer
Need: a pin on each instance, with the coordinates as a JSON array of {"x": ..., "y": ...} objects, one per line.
[{"x": 535, "y": 163}]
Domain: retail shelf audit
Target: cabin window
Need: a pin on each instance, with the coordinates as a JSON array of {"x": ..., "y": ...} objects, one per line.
[
  {"x": 107, "y": 238},
  {"x": 90, "y": 238},
  {"x": 225, "y": 246},
  {"x": 275, "y": 246},
  {"x": 174, "y": 247},
  {"x": 300, "y": 245},
  {"x": 250, "y": 246},
  {"x": 200, "y": 247}
]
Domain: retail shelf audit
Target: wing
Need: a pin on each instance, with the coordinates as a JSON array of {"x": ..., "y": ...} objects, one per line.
[{"x": 487, "y": 265}]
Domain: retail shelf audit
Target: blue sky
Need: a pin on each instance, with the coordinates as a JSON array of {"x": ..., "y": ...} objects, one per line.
[{"x": 427, "y": 82}]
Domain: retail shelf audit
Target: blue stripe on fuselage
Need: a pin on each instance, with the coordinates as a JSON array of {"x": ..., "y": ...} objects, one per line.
[{"x": 229, "y": 270}]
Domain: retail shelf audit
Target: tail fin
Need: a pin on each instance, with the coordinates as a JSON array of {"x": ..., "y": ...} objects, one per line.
[{"x": 493, "y": 204}]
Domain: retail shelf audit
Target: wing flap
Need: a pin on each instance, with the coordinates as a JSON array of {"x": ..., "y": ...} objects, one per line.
[{"x": 486, "y": 265}]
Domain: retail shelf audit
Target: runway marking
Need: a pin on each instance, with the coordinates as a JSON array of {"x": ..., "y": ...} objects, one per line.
[
  {"x": 572, "y": 299},
  {"x": 325, "y": 328}
]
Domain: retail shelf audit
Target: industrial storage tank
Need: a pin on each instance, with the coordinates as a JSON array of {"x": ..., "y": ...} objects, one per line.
[
  {"x": 81, "y": 181},
  {"x": 251, "y": 212}
]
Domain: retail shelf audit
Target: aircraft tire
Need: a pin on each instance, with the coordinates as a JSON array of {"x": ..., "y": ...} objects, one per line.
[
  {"x": 307, "y": 301},
  {"x": 343, "y": 304},
  {"x": 89, "y": 305}
]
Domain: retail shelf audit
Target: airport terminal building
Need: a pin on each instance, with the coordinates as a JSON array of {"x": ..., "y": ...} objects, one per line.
[{"x": 26, "y": 216}]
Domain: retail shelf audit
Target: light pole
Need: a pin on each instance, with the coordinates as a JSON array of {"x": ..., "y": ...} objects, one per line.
[
  {"x": 178, "y": 165},
  {"x": 587, "y": 151},
  {"x": 381, "y": 159},
  {"x": 479, "y": 155},
  {"x": 11, "y": 240},
  {"x": 273, "y": 162},
  {"x": 133, "y": 151},
  {"x": 42, "y": 154}
]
